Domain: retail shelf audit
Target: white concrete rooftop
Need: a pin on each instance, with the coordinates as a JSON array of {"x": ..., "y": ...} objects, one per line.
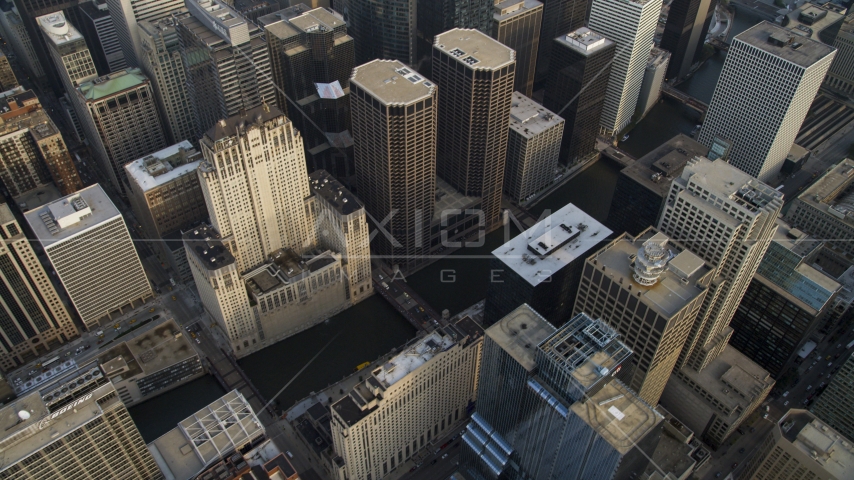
[
  {"x": 68, "y": 216},
  {"x": 412, "y": 358},
  {"x": 164, "y": 166}
]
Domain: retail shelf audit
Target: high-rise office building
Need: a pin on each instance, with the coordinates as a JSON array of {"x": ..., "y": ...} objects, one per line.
[
  {"x": 258, "y": 206},
  {"x": 226, "y": 61},
  {"x": 15, "y": 32},
  {"x": 34, "y": 318},
  {"x": 167, "y": 200},
  {"x": 396, "y": 173},
  {"x": 413, "y": 399},
  {"x": 642, "y": 187},
  {"x": 650, "y": 292},
  {"x": 727, "y": 218},
  {"x": 311, "y": 57},
  {"x": 840, "y": 76},
  {"x": 634, "y": 38},
  {"x": 7, "y": 76},
  {"x": 163, "y": 64},
  {"x": 758, "y": 104},
  {"x": 800, "y": 447},
  {"x": 383, "y": 30},
  {"x": 833, "y": 406},
  {"x": 96, "y": 25},
  {"x": 121, "y": 121},
  {"x": 548, "y": 406},
  {"x": 576, "y": 84},
  {"x": 653, "y": 79},
  {"x": 91, "y": 437},
  {"x": 786, "y": 302},
  {"x": 88, "y": 244},
  {"x": 825, "y": 209},
  {"x": 516, "y": 23},
  {"x": 127, "y": 14},
  {"x": 475, "y": 74},
  {"x": 533, "y": 147},
  {"x": 542, "y": 266},
  {"x": 32, "y": 151},
  {"x": 437, "y": 16},
  {"x": 559, "y": 17},
  {"x": 685, "y": 33},
  {"x": 342, "y": 227}
]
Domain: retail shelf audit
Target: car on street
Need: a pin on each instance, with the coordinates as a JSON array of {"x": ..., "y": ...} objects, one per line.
[
  {"x": 830, "y": 364},
  {"x": 444, "y": 456},
  {"x": 785, "y": 403},
  {"x": 718, "y": 475},
  {"x": 734, "y": 465},
  {"x": 741, "y": 450},
  {"x": 785, "y": 394},
  {"x": 434, "y": 461},
  {"x": 809, "y": 387}
]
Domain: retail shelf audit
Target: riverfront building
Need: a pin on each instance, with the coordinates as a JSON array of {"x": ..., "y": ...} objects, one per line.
[
  {"x": 649, "y": 291},
  {"x": 163, "y": 64},
  {"x": 826, "y": 208},
  {"x": 476, "y": 77},
  {"x": 312, "y": 57},
  {"x": 634, "y": 38},
  {"x": 91, "y": 437},
  {"x": 397, "y": 173},
  {"x": 653, "y": 79},
  {"x": 788, "y": 299},
  {"x": 167, "y": 199},
  {"x": 226, "y": 61},
  {"x": 578, "y": 59},
  {"x": 727, "y": 218},
  {"x": 88, "y": 244},
  {"x": 413, "y": 399},
  {"x": 758, "y": 104},
  {"x": 548, "y": 405},
  {"x": 833, "y": 405},
  {"x": 533, "y": 147},
  {"x": 542, "y": 266},
  {"x": 121, "y": 121},
  {"x": 35, "y": 320},
  {"x": 516, "y": 24},
  {"x": 685, "y": 34},
  {"x": 642, "y": 187},
  {"x": 803, "y": 447}
]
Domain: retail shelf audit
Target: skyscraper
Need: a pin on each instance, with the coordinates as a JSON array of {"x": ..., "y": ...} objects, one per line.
[
  {"x": 167, "y": 199},
  {"x": 91, "y": 437},
  {"x": 559, "y": 17},
  {"x": 548, "y": 406},
  {"x": 685, "y": 33},
  {"x": 312, "y": 58},
  {"x": 226, "y": 61},
  {"x": 533, "y": 147},
  {"x": 541, "y": 267},
  {"x": 634, "y": 38},
  {"x": 727, "y": 218},
  {"x": 833, "y": 405},
  {"x": 414, "y": 398},
  {"x": 801, "y": 446},
  {"x": 33, "y": 151},
  {"x": 163, "y": 64},
  {"x": 653, "y": 79},
  {"x": 96, "y": 25},
  {"x": 642, "y": 187},
  {"x": 255, "y": 185},
  {"x": 342, "y": 227},
  {"x": 7, "y": 76},
  {"x": 516, "y": 23},
  {"x": 34, "y": 318},
  {"x": 786, "y": 302},
  {"x": 15, "y": 32},
  {"x": 476, "y": 77},
  {"x": 840, "y": 76},
  {"x": 127, "y": 14},
  {"x": 576, "y": 85},
  {"x": 89, "y": 247},
  {"x": 121, "y": 121},
  {"x": 394, "y": 138},
  {"x": 437, "y": 16},
  {"x": 383, "y": 30},
  {"x": 652, "y": 302},
  {"x": 760, "y": 105}
]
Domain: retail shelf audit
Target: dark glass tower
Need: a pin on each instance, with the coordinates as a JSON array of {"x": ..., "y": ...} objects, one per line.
[
  {"x": 559, "y": 17},
  {"x": 575, "y": 88},
  {"x": 685, "y": 32},
  {"x": 437, "y": 16},
  {"x": 311, "y": 57},
  {"x": 383, "y": 29}
]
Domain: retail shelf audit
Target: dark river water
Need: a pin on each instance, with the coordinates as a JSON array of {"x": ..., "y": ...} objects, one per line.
[{"x": 372, "y": 328}]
